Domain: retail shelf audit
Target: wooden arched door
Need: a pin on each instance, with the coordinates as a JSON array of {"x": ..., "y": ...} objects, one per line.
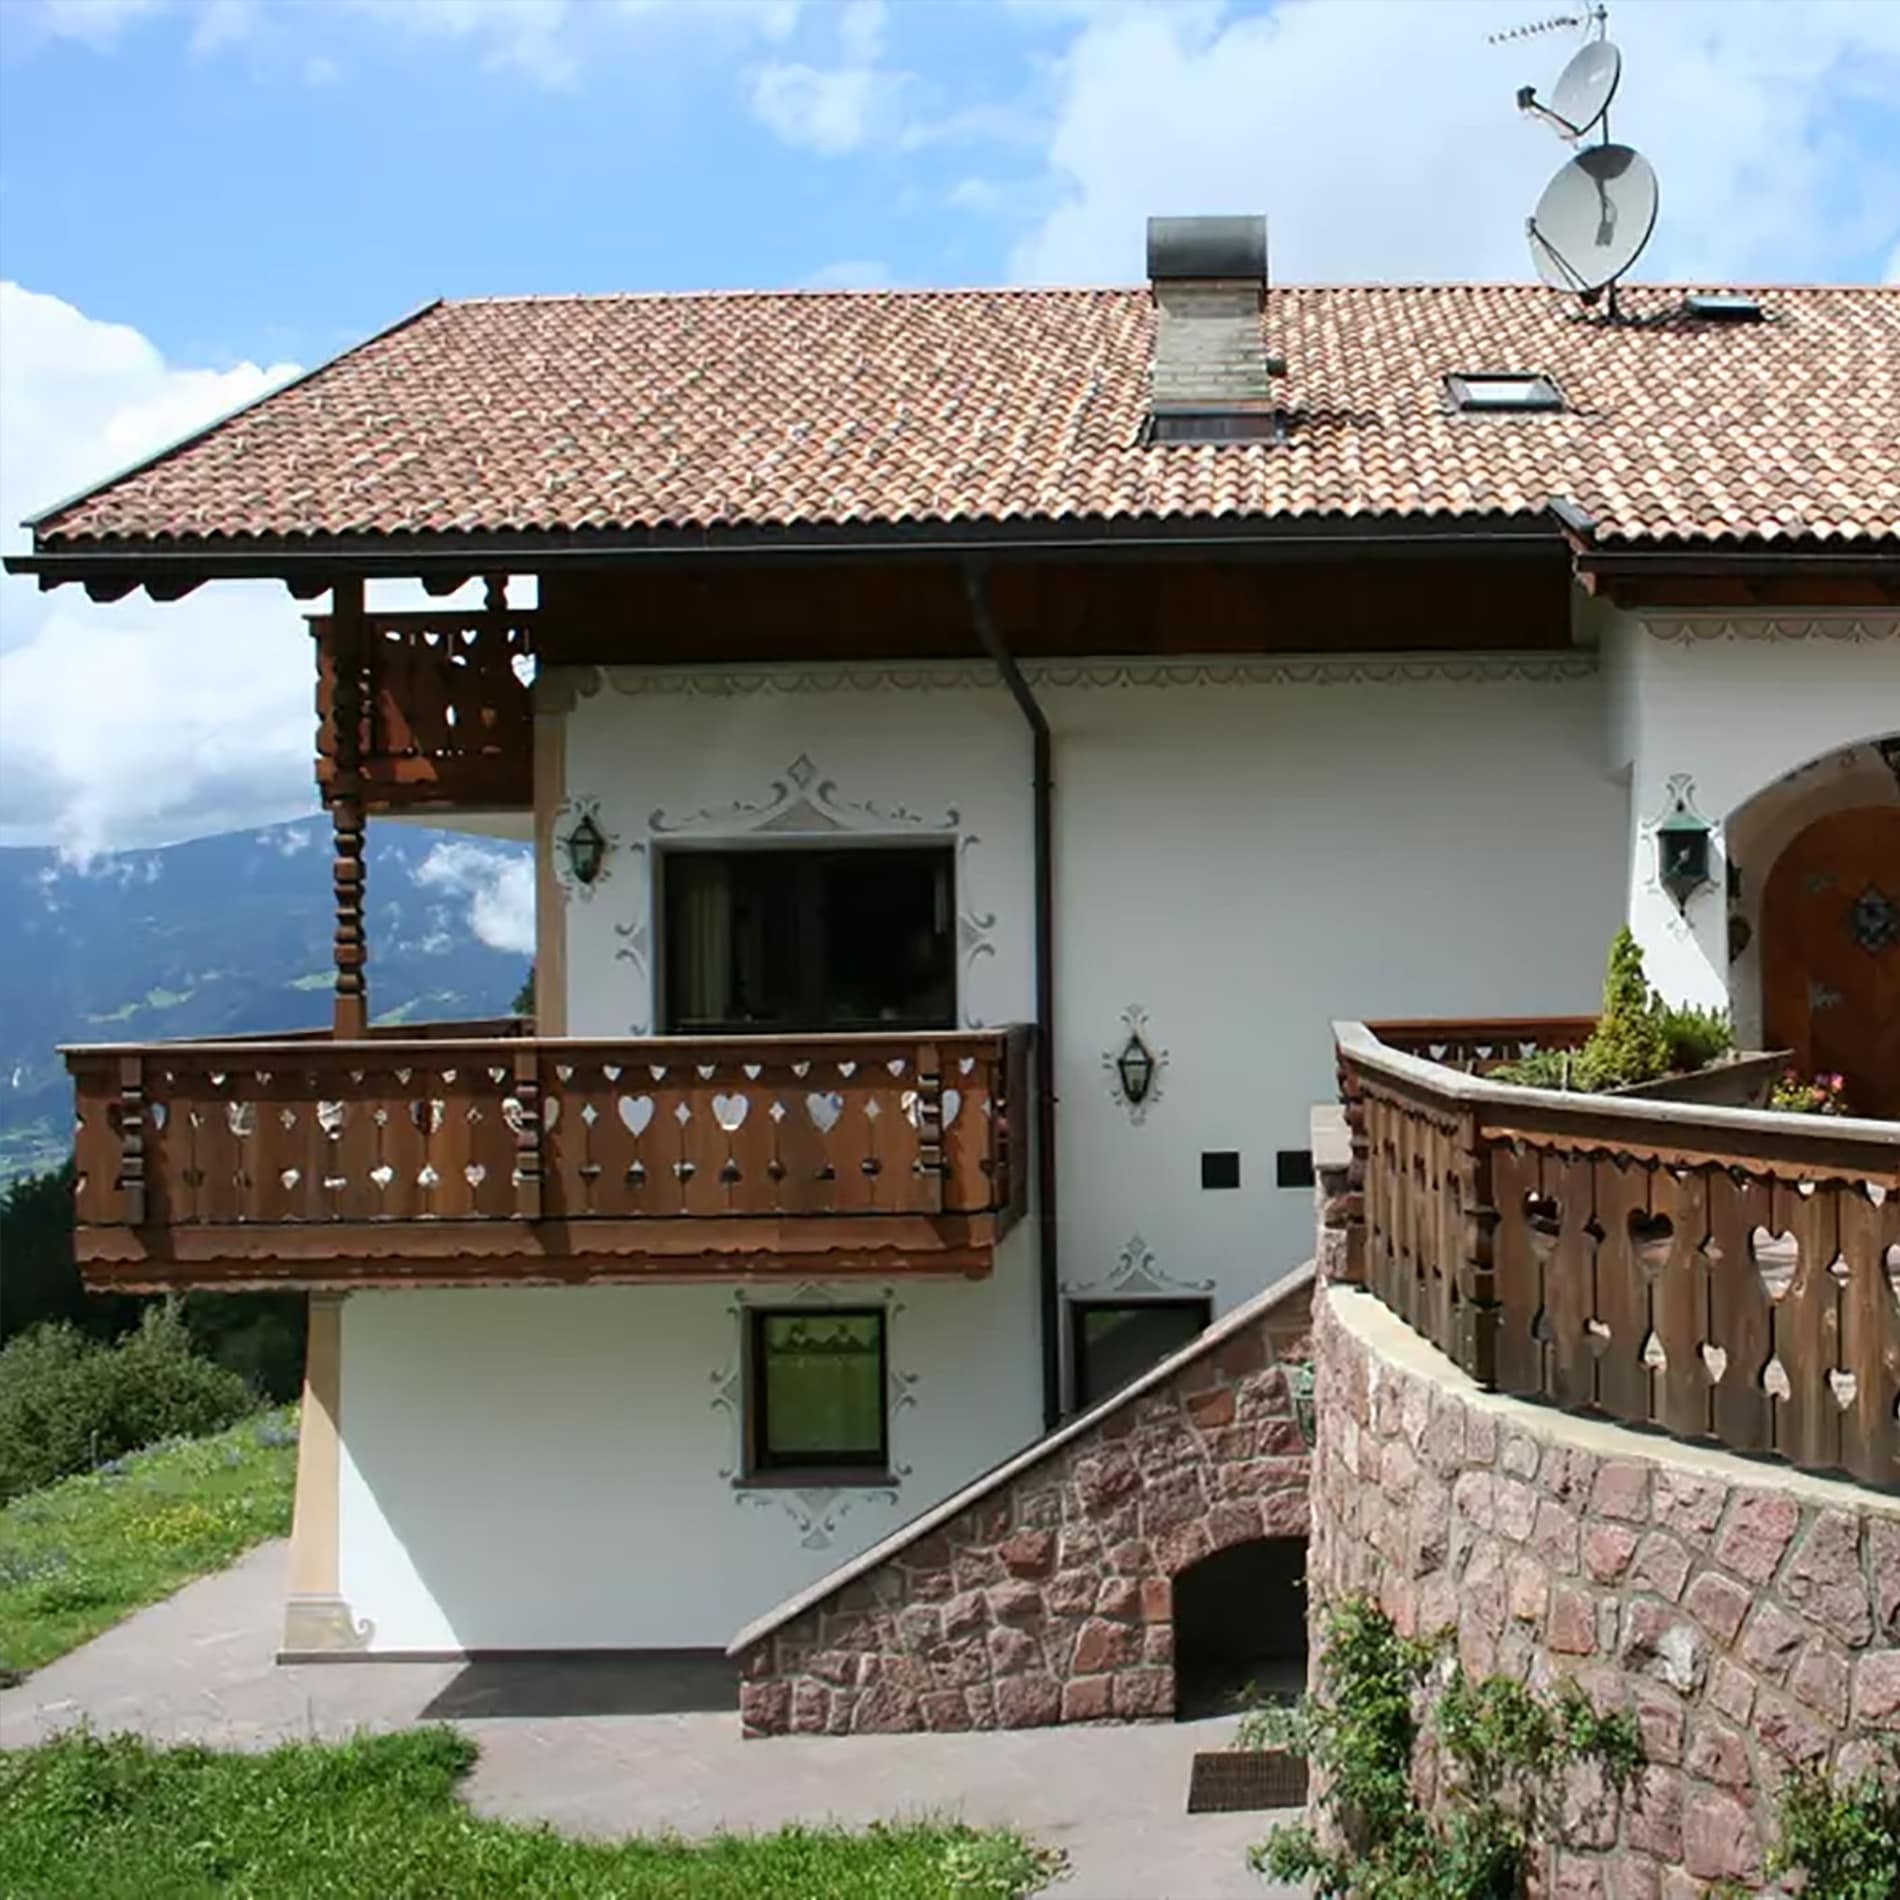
[{"x": 1831, "y": 953}]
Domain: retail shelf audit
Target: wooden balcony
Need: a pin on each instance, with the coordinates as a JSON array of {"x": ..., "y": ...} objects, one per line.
[
  {"x": 1719, "y": 1274},
  {"x": 450, "y": 1156}
]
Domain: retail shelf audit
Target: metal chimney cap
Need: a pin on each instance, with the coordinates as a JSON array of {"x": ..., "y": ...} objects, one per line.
[{"x": 1233, "y": 249}]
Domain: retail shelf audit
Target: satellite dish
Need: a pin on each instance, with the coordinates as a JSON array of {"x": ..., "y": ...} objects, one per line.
[
  {"x": 1583, "y": 93},
  {"x": 1594, "y": 218}
]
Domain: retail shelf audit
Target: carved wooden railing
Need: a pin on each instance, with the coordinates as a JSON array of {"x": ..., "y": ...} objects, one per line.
[
  {"x": 1475, "y": 1046},
  {"x": 557, "y": 1135},
  {"x": 446, "y": 708},
  {"x": 1718, "y": 1274}
]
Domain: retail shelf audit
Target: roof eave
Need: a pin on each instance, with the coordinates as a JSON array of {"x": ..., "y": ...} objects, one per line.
[{"x": 130, "y": 563}]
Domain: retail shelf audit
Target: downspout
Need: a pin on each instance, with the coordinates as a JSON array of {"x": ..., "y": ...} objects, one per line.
[{"x": 1043, "y": 786}]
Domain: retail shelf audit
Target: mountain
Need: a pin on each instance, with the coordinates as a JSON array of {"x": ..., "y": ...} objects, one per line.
[{"x": 232, "y": 936}]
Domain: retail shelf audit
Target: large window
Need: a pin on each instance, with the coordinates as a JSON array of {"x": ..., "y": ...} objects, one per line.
[
  {"x": 799, "y": 939},
  {"x": 1114, "y": 1343},
  {"x": 817, "y": 1389}
]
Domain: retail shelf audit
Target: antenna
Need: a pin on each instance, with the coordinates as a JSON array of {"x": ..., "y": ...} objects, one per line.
[{"x": 1597, "y": 213}]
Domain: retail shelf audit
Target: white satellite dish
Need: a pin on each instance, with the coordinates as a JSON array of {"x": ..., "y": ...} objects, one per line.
[
  {"x": 1583, "y": 92},
  {"x": 1593, "y": 220}
]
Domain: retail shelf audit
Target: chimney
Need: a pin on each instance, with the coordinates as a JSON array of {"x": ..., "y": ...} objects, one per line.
[{"x": 1211, "y": 369}]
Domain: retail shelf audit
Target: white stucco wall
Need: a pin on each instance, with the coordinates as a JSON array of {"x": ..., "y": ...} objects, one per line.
[
  {"x": 1727, "y": 705},
  {"x": 1243, "y": 853},
  {"x": 550, "y": 1468}
]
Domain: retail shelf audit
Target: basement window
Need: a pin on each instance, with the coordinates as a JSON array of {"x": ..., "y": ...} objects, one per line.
[
  {"x": 1502, "y": 392},
  {"x": 1114, "y": 1342},
  {"x": 795, "y": 940},
  {"x": 818, "y": 1381}
]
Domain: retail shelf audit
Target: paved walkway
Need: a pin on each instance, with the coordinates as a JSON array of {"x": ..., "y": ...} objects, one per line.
[{"x": 615, "y": 1748}]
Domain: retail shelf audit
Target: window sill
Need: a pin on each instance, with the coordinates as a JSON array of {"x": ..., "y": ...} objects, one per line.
[{"x": 817, "y": 1478}]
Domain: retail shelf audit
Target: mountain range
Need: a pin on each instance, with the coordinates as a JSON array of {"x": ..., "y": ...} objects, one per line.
[{"x": 231, "y": 935}]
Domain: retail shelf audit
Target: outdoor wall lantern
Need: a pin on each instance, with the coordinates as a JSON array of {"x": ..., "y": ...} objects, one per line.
[
  {"x": 1682, "y": 852},
  {"x": 1136, "y": 1067},
  {"x": 586, "y": 848}
]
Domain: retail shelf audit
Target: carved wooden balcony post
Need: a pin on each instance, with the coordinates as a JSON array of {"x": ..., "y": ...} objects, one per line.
[
  {"x": 1348, "y": 1211},
  {"x": 349, "y": 659},
  {"x": 528, "y": 1134},
  {"x": 1476, "y": 1265},
  {"x": 132, "y": 1140}
]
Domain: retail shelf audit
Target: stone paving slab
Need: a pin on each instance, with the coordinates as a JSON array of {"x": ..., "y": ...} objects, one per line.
[{"x": 200, "y": 1667}]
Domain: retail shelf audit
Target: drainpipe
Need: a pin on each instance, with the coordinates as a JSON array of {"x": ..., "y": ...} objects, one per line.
[{"x": 1043, "y": 783}]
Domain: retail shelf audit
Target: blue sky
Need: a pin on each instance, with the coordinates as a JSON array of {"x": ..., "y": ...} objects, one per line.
[{"x": 198, "y": 197}]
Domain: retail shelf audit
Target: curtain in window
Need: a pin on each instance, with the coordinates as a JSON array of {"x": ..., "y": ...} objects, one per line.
[{"x": 704, "y": 986}]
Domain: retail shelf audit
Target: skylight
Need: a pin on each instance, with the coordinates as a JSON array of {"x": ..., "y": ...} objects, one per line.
[
  {"x": 1509, "y": 392},
  {"x": 1723, "y": 306}
]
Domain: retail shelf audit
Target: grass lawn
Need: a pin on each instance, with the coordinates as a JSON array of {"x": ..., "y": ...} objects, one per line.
[
  {"x": 378, "y": 1819},
  {"x": 78, "y": 1555}
]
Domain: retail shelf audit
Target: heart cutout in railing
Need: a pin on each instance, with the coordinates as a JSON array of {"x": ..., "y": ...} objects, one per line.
[
  {"x": 1774, "y": 1380},
  {"x": 426, "y": 1175},
  {"x": 1775, "y": 1256},
  {"x": 1651, "y": 1238},
  {"x": 897, "y": 1065},
  {"x": 706, "y": 1070},
  {"x": 801, "y": 1069},
  {"x": 1844, "y": 1385},
  {"x": 824, "y": 1110},
  {"x": 1654, "y": 1357},
  {"x": 847, "y": 1070},
  {"x": 636, "y": 1111},
  {"x": 497, "y": 1076},
  {"x": 475, "y": 1174},
  {"x": 330, "y": 1117},
  {"x": 382, "y": 1175},
  {"x": 1544, "y": 1213},
  {"x": 1714, "y": 1361},
  {"x": 966, "y": 1065},
  {"x": 290, "y": 1177},
  {"x": 611, "y": 1070},
  {"x": 448, "y": 1077},
  {"x": 729, "y": 1111},
  {"x": 751, "y": 1070},
  {"x": 657, "y": 1070}
]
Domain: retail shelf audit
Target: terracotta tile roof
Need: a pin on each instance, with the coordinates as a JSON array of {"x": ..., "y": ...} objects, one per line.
[{"x": 888, "y": 407}]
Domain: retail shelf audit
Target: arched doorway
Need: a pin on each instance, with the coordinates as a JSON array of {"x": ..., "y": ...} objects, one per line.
[
  {"x": 1831, "y": 953},
  {"x": 1240, "y": 1620}
]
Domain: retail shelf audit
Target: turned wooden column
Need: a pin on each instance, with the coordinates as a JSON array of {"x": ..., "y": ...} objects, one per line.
[{"x": 349, "y": 658}]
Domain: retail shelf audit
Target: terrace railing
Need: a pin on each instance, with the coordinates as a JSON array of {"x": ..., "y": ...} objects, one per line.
[
  {"x": 242, "y": 1149},
  {"x": 1718, "y": 1274}
]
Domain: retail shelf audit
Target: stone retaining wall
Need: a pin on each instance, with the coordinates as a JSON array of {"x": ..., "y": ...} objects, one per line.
[
  {"x": 1043, "y": 1592},
  {"x": 1749, "y": 1616}
]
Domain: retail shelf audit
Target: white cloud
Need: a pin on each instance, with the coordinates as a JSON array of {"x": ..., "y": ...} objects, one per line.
[
  {"x": 94, "y": 23},
  {"x": 499, "y": 887},
  {"x": 851, "y": 273},
  {"x": 832, "y": 109},
  {"x": 135, "y": 723},
  {"x": 1382, "y": 142},
  {"x": 529, "y": 36}
]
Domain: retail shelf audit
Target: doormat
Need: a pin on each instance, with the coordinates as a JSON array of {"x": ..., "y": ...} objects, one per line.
[{"x": 1243, "y": 1780}]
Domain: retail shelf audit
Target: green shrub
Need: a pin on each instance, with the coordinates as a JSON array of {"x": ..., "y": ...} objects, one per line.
[
  {"x": 1502, "y": 1752},
  {"x": 1695, "y": 1036},
  {"x": 1844, "y": 1839},
  {"x": 1541, "y": 1069},
  {"x": 68, "y": 1403},
  {"x": 1628, "y": 1044}
]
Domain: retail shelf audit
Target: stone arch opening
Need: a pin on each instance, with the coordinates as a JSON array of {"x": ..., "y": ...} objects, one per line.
[{"x": 1240, "y": 1619}]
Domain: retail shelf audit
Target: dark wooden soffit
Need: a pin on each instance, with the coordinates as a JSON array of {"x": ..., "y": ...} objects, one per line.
[{"x": 1056, "y": 609}]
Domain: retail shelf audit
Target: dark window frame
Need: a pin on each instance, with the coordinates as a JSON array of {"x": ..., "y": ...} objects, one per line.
[
  {"x": 1201, "y": 1303},
  {"x": 763, "y": 1465},
  {"x": 945, "y": 847}
]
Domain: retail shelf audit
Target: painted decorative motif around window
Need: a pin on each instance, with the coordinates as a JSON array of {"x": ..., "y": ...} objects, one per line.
[{"x": 816, "y": 1510}]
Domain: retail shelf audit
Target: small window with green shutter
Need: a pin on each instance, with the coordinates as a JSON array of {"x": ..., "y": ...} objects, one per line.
[{"x": 817, "y": 1387}]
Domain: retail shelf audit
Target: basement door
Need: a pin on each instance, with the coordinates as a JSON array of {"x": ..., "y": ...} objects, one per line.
[{"x": 1831, "y": 954}]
